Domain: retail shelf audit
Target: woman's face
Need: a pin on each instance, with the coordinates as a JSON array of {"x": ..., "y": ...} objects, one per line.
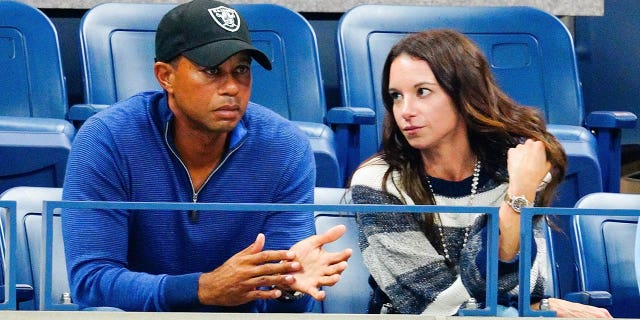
[{"x": 422, "y": 109}]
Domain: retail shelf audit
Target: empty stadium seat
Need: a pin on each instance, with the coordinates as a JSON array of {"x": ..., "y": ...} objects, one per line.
[
  {"x": 118, "y": 50},
  {"x": 35, "y": 138},
  {"x": 605, "y": 250},
  {"x": 603, "y": 44},
  {"x": 532, "y": 58},
  {"x": 28, "y": 244},
  {"x": 352, "y": 293},
  {"x": 32, "y": 79}
]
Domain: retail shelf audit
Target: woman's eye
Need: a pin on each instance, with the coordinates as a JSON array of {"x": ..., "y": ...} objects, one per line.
[
  {"x": 423, "y": 91},
  {"x": 395, "y": 95}
]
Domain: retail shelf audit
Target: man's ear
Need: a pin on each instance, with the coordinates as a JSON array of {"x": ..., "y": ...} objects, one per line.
[{"x": 164, "y": 74}]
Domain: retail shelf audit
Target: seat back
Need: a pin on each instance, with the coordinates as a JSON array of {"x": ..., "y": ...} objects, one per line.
[
  {"x": 29, "y": 202},
  {"x": 34, "y": 136},
  {"x": 530, "y": 52},
  {"x": 595, "y": 38},
  {"x": 604, "y": 252},
  {"x": 31, "y": 81},
  {"x": 352, "y": 293},
  {"x": 118, "y": 51}
]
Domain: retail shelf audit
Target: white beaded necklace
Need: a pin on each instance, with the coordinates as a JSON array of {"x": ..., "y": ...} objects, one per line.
[{"x": 474, "y": 190}]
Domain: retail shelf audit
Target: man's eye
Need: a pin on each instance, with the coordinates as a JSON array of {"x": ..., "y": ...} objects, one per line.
[
  {"x": 211, "y": 71},
  {"x": 243, "y": 69}
]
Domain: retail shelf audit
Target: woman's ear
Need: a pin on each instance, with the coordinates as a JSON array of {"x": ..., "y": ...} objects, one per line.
[{"x": 164, "y": 74}]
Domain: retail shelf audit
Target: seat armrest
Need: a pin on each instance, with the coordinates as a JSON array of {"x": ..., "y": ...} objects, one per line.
[
  {"x": 346, "y": 122},
  {"x": 37, "y": 125},
  {"x": 351, "y": 115},
  {"x": 607, "y": 127},
  {"x": 82, "y": 112},
  {"x": 611, "y": 119},
  {"x": 24, "y": 292},
  {"x": 592, "y": 298}
]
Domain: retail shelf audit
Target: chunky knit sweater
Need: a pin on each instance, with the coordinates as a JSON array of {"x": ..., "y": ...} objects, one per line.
[
  {"x": 151, "y": 260},
  {"x": 411, "y": 269}
]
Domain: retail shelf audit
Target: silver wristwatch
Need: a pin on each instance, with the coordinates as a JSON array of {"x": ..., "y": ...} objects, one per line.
[
  {"x": 288, "y": 295},
  {"x": 516, "y": 202}
]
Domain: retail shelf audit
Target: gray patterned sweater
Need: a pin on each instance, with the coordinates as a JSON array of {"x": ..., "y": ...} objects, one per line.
[{"x": 411, "y": 270}]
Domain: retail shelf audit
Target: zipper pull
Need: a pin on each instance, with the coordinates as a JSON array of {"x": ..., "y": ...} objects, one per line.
[{"x": 193, "y": 214}]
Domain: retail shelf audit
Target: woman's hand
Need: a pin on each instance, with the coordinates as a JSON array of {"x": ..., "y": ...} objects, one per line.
[
  {"x": 527, "y": 165},
  {"x": 567, "y": 309}
]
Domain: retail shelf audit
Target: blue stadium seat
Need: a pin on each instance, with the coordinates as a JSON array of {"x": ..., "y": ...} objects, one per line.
[
  {"x": 34, "y": 135},
  {"x": 29, "y": 202},
  {"x": 637, "y": 256},
  {"x": 352, "y": 293},
  {"x": 532, "y": 57},
  {"x": 32, "y": 158},
  {"x": 603, "y": 44},
  {"x": 605, "y": 250},
  {"x": 32, "y": 79},
  {"x": 117, "y": 43}
]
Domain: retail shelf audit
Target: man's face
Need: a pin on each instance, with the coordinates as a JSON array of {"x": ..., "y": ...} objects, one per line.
[{"x": 210, "y": 99}]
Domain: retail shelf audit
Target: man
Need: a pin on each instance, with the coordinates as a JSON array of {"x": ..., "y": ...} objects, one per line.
[{"x": 198, "y": 140}]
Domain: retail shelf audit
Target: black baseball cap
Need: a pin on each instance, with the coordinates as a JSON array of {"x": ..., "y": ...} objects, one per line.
[{"x": 206, "y": 32}]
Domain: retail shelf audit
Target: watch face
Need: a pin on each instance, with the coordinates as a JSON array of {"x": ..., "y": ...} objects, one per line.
[{"x": 518, "y": 203}]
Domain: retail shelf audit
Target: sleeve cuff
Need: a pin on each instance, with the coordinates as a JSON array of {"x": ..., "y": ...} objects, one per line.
[{"x": 181, "y": 291}]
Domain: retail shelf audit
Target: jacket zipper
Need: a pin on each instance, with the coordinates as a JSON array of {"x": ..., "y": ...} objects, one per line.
[{"x": 193, "y": 214}]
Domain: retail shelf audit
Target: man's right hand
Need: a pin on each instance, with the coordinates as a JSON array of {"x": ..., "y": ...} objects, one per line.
[{"x": 239, "y": 279}]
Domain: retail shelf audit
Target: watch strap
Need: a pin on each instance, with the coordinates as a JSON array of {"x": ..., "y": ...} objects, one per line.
[{"x": 516, "y": 202}]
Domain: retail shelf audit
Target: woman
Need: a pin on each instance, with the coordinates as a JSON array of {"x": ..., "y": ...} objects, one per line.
[{"x": 452, "y": 137}]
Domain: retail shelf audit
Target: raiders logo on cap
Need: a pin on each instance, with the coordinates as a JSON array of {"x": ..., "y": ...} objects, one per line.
[{"x": 226, "y": 18}]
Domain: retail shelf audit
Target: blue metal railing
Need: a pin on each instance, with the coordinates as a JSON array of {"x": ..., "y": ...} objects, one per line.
[
  {"x": 8, "y": 254},
  {"x": 526, "y": 223},
  {"x": 50, "y": 207}
]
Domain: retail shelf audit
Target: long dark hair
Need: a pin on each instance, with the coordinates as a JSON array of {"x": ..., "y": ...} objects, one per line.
[{"x": 494, "y": 121}]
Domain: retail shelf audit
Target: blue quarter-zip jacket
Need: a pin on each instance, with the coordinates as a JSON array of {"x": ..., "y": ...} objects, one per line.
[{"x": 151, "y": 260}]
